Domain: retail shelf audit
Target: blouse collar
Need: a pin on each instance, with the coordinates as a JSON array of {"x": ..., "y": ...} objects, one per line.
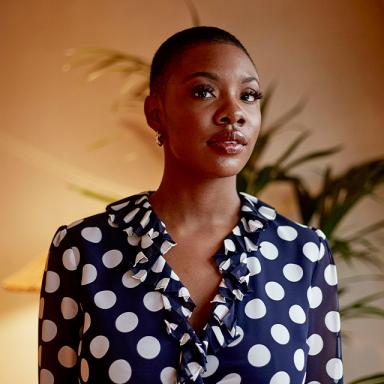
[
  {"x": 136, "y": 212},
  {"x": 148, "y": 242}
]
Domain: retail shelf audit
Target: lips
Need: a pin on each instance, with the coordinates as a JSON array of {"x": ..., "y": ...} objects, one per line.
[{"x": 230, "y": 142}]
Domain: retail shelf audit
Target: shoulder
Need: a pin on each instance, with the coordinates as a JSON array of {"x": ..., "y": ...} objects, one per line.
[
  {"x": 93, "y": 228},
  {"x": 285, "y": 231}
]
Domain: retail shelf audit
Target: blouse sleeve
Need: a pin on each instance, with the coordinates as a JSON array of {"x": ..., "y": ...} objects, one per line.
[
  {"x": 324, "y": 363},
  {"x": 60, "y": 314}
]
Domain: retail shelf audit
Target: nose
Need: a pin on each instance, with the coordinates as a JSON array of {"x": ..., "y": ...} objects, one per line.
[{"x": 230, "y": 113}]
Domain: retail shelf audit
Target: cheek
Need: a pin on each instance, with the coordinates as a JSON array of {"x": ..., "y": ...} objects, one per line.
[
  {"x": 254, "y": 127},
  {"x": 187, "y": 124}
]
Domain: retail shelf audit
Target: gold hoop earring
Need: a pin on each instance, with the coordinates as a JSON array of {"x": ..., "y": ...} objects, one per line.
[{"x": 159, "y": 139}]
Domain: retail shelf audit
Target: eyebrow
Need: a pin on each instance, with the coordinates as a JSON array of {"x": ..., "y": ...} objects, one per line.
[
  {"x": 249, "y": 79},
  {"x": 208, "y": 75},
  {"x": 213, "y": 76}
]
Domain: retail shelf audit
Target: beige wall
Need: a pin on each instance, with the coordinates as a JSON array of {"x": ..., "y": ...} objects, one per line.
[{"x": 328, "y": 51}]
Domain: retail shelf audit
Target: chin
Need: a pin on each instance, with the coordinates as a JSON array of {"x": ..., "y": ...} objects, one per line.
[{"x": 226, "y": 168}]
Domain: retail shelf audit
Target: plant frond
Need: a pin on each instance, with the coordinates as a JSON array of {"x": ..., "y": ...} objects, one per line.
[{"x": 377, "y": 378}]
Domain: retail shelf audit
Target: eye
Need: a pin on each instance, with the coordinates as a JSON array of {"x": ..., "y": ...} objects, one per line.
[
  {"x": 203, "y": 91},
  {"x": 250, "y": 96}
]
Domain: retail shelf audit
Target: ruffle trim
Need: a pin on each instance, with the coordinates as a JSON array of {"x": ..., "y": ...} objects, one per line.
[{"x": 149, "y": 241}]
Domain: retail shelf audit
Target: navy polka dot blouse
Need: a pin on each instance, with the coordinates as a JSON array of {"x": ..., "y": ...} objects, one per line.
[{"x": 113, "y": 311}]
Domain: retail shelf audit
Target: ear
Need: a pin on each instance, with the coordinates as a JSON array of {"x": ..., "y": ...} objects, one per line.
[{"x": 152, "y": 112}]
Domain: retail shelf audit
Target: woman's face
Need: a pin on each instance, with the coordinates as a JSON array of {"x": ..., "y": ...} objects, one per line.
[{"x": 209, "y": 112}]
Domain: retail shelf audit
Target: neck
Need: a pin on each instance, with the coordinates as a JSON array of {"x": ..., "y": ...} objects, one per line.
[{"x": 186, "y": 200}]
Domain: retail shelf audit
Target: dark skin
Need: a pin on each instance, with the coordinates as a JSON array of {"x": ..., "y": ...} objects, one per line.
[{"x": 211, "y": 87}]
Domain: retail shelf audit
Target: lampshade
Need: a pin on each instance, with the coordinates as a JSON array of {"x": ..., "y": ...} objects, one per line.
[{"x": 27, "y": 279}]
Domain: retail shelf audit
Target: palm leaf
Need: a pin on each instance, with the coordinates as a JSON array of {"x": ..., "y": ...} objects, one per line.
[
  {"x": 312, "y": 156},
  {"x": 193, "y": 13},
  {"x": 377, "y": 378},
  {"x": 363, "y": 307}
]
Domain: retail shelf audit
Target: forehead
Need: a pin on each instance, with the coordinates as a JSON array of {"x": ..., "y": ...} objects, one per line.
[{"x": 220, "y": 58}]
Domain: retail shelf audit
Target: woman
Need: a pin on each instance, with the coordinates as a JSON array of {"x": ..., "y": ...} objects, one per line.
[{"x": 246, "y": 295}]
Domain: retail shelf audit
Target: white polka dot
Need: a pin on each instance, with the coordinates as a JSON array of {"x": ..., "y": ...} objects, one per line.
[
  {"x": 212, "y": 365},
  {"x": 174, "y": 276},
  {"x": 112, "y": 258},
  {"x": 330, "y": 274},
  {"x": 166, "y": 246},
  {"x": 158, "y": 266},
  {"x": 268, "y": 213},
  {"x": 320, "y": 233},
  {"x": 250, "y": 245},
  {"x": 89, "y": 274},
  {"x": 311, "y": 251},
  {"x": 129, "y": 281},
  {"x": 153, "y": 301},
  {"x": 240, "y": 333},
  {"x": 332, "y": 321},
  {"x": 59, "y": 237},
  {"x": 297, "y": 314},
  {"x": 280, "y": 378},
  {"x": 87, "y": 322},
  {"x": 168, "y": 375},
  {"x": 92, "y": 234},
  {"x": 99, "y": 346},
  {"x": 259, "y": 355},
  {"x": 133, "y": 239},
  {"x": 194, "y": 368},
  {"x": 232, "y": 378},
  {"x": 71, "y": 258},
  {"x": 268, "y": 250},
  {"x": 334, "y": 368},
  {"x": 84, "y": 370},
  {"x": 315, "y": 343},
  {"x": 287, "y": 232},
  {"x": 321, "y": 251},
  {"x": 148, "y": 347},
  {"x": 315, "y": 297},
  {"x": 127, "y": 322},
  {"x": 221, "y": 311},
  {"x": 105, "y": 299},
  {"x": 67, "y": 357},
  {"x": 274, "y": 290},
  {"x": 74, "y": 223},
  {"x": 229, "y": 245},
  {"x": 120, "y": 371},
  {"x": 52, "y": 282},
  {"x": 253, "y": 265},
  {"x": 236, "y": 231},
  {"x": 314, "y": 382},
  {"x": 117, "y": 207},
  {"x": 41, "y": 308},
  {"x": 69, "y": 308},
  {"x": 253, "y": 225},
  {"x": 183, "y": 292},
  {"x": 255, "y": 309},
  {"x": 219, "y": 334},
  {"x": 146, "y": 242},
  {"x": 46, "y": 377},
  {"x": 299, "y": 359},
  {"x": 293, "y": 272},
  {"x": 48, "y": 330},
  {"x": 280, "y": 333},
  {"x": 251, "y": 198}
]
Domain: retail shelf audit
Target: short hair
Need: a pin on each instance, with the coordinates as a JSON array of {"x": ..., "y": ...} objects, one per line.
[{"x": 178, "y": 43}]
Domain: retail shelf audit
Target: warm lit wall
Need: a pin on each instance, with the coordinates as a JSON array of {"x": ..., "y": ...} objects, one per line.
[{"x": 328, "y": 51}]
